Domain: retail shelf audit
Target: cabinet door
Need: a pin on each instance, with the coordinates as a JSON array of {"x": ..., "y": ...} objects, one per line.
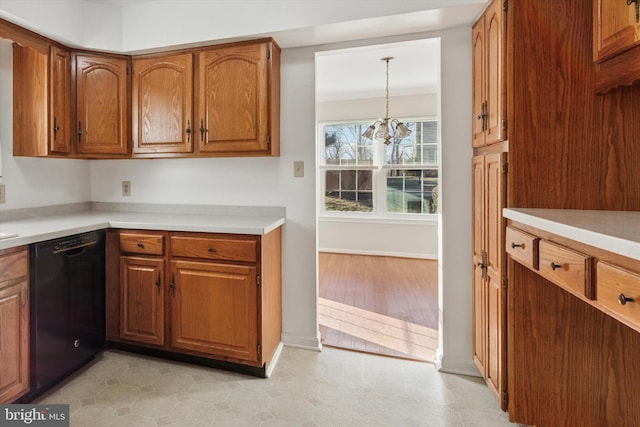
[
  {"x": 142, "y": 299},
  {"x": 232, "y": 99},
  {"x": 60, "y": 101},
  {"x": 478, "y": 70},
  {"x": 495, "y": 261},
  {"x": 478, "y": 291},
  {"x": 214, "y": 310},
  {"x": 162, "y": 91},
  {"x": 495, "y": 90},
  {"x": 14, "y": 341},
  {"x": 101, "y": 102},
  {"x": 616, "y": 28}
]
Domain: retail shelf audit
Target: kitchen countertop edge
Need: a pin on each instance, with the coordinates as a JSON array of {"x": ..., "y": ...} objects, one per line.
[
  {"x": 614, "y": 231},
  {"x": 34, "y": 230}
]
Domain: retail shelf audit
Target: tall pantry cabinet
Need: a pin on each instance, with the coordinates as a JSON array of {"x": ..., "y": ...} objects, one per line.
[{"x": 488, "y": 193}]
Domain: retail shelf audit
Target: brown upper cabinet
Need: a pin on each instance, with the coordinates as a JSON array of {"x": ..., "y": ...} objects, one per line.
[
  {"x": 162, "y": 100},
  {"x": 616, "y": 43},
  {"x": 489, "y": 106},
  {"x": 41, "y": 102},
  {"x": 101, "y": 106},
  {"x": 234, "y": 90},
  {"x": 237, "y": 99}
]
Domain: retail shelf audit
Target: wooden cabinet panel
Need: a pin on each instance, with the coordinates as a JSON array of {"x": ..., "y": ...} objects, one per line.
[
  {"x": 618, "y": 290},
  {"x": 489, "y": 299},
  {"x": 616, "y": 28},
  {"x": 142, "y": 299},
  {"x": 60, "y": 101},
  {"x": 232, "y": 99},
  {"x": 215, "y": 310},
  {"x": 41, "y": 102},
  {"x": 214, "y": 248},
  {"x": 142, "y": 243},
  {"x": 101, "y": 105},
  {"x": 162, "y": 99},
  {"x": 522, "y": 247},
  {"x": 567, "y": 268},
  {"x": 489, "y": 92},
  {"x": 14, "y": 325}
]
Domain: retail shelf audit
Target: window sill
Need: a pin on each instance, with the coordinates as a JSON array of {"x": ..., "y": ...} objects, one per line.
[{"x": 400, "y": 219}]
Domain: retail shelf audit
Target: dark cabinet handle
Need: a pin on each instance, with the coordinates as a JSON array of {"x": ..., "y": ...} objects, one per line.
[
  {"x": 172, "y": 285},
  {"x": 188, "y": 130},
  {"x": 622, "y": 299},
  {"x": 202, "y": 129},
  {"x": 158, "y": 283},
  {"x": 140, "y": 245},
  {"x": 554, "y": 265},
  {"x": 80, "y": 131},
  {"x": 629, "y": 2},
  {"x": 517, "y": 245},
  {"x": 56, "y": 128},
  {"x": 211, "y": 250}
]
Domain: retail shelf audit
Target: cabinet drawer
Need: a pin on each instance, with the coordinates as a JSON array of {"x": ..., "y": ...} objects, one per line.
[
  {"x": 619, "y": 291},
  {"x": 13, "y": 265},
  {"x": 567, "y": 268},
  {"x": 214, "y": 248},
  {"x": 139, "y": 243},
  {"x": 522, "y": 247}
]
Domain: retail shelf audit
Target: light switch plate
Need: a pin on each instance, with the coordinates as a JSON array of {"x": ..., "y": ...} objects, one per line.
[
  {"x": 126, "y": 188},
  {"x": 298, "y": 169},
  {"x": 2, "y": 191}
]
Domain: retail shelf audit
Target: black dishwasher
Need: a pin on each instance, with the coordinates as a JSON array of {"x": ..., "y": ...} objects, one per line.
[{"x": 67, "y": 306}]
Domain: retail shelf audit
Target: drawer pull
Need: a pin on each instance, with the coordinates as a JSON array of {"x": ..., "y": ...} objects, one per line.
[
  {"x": 554, "y": 266},
  {"x": 622, "y": 299},
  {"x": 517, "y": 245},
  {"x": 211, "y": 250},
  {"x": 140, "y": 245}
]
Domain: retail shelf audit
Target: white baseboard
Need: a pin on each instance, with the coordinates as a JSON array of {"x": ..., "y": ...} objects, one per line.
[
  {"x": 459, "y": 366},
  {"x": 378, "y": 253},
  {"x": 274, "y": 360},
  {"x": 306, "y": 342}
]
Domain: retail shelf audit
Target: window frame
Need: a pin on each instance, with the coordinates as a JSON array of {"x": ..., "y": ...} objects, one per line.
[{"x": 379, "y": 170}]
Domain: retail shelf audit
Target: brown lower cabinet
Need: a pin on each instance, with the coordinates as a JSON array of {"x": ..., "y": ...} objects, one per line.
[
  {"x": 210, "y": 295},
  {"x": 14, "y": 324}
]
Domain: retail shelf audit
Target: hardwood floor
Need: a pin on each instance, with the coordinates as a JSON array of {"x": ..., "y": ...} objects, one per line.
[{"x": 375, "y": 304}]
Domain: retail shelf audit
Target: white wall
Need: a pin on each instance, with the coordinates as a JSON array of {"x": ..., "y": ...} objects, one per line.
[
  {"x": 410, "y": 238},
  {"x": 29, "y": 181}
]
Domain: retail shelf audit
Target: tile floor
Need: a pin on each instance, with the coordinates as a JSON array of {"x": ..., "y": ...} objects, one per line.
[{"x": 329, "y": 388}]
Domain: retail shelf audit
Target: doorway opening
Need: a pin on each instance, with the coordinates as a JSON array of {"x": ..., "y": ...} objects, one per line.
[{"x": 377, "y": 203}]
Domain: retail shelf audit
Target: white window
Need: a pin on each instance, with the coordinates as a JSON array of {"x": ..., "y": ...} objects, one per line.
[{"x": 361, "y": 176}]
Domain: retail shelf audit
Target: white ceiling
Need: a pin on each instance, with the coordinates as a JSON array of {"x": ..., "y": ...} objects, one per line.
[{"x": 361, "y": 73}]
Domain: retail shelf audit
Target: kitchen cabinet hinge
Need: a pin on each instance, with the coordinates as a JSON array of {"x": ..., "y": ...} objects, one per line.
[
  {"x": 504, "y": 124},
  {"x": 505, "y": 399},
  {"x": 259, "y": 349},
  {"x": 505, "y": 167},
  {"x": 505, "y": 281},
  {"x": 504, "y": 5},
  {"x": 269, "y": 53},
  {"x": 258, "y": 279}
]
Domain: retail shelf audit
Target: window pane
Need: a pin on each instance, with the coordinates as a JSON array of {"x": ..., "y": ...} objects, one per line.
[
  {"x": 349, "y": 191},
  {"x": 419, "y": 148},
  {"x": 412, "y": 191},
  {"x": 345, "y": 145}
]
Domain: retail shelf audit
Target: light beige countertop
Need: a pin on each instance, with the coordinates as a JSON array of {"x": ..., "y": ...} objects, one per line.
[
  {"x": 40, "y": 224},
  {"x": 614, "y": 231}
]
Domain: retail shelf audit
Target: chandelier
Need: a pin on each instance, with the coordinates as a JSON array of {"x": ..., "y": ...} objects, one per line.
[{"x": 387, "y": 129}]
